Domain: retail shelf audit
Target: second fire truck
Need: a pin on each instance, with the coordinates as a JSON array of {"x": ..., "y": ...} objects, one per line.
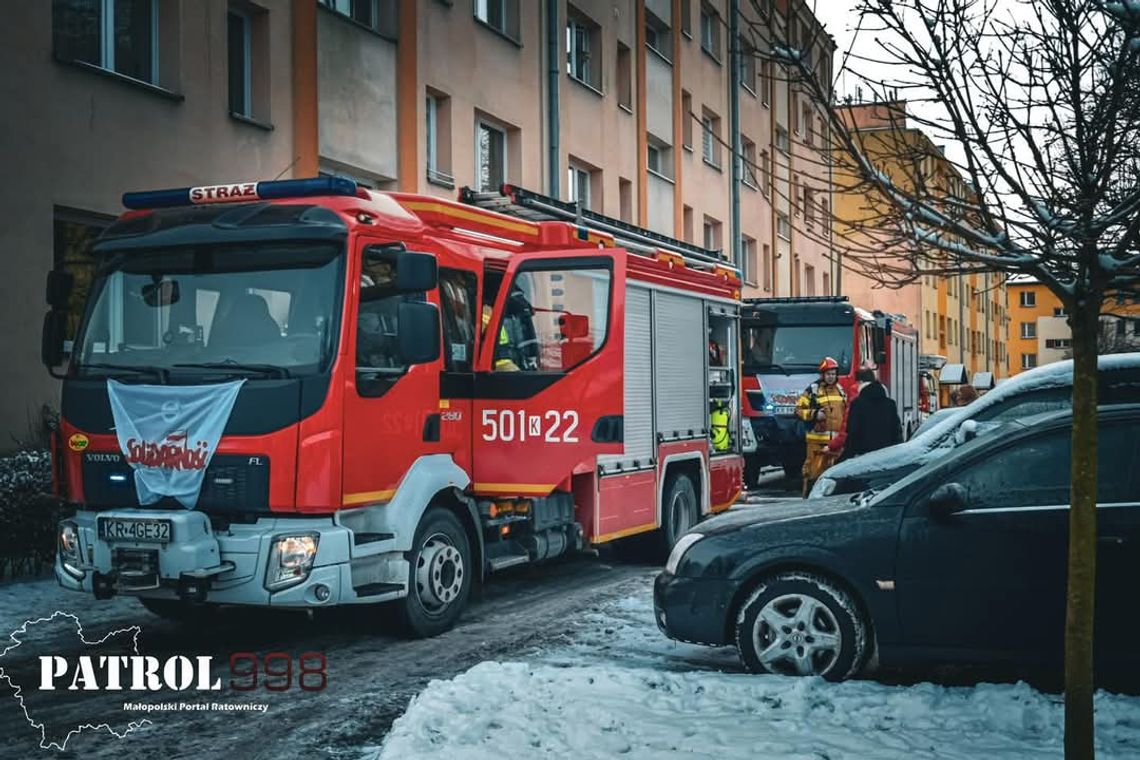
[{"x": 430, "y": 391}]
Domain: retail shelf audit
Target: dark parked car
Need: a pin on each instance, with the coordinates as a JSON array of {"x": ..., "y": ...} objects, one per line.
[
  {"x": 1039, "y": 390},
  {"x": 964, "y": 559}
]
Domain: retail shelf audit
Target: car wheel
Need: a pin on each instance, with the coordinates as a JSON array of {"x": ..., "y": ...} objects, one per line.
[
  {"x": 680, "y": 510},
  {"x": 439, "y": 581},
  {"x": 799, "y": 624},
  {"x": 178, "y": 611}
]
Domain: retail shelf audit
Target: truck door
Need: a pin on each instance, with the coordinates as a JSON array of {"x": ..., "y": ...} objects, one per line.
[{"x": 548, "y": 390}]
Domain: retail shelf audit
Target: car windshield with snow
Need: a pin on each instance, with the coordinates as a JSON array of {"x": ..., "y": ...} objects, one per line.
[
  {"x": 962, "y": 560},
  {"x": 1048, "y": 388}
]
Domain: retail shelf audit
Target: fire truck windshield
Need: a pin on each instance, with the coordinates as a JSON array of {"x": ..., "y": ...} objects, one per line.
[
  {"x": 260, "y": 310},
  {"x": 796, "y": 347}
]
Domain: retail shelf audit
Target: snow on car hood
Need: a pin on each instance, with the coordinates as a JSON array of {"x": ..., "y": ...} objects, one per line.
[
  {"x": 775, "y": 511},
  {"x": 937, "y": 438}
]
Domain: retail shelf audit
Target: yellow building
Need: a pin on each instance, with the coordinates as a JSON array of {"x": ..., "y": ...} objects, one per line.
[
  {"x": 961, "y": 317},
  {"x": 1039, "y": 330}
]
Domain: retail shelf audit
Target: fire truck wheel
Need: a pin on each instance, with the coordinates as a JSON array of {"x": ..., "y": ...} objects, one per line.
[
  {"x": 440, "y": 575},
  {"x": 180, "y": 611},
  {"x": 680, "y": 510}
]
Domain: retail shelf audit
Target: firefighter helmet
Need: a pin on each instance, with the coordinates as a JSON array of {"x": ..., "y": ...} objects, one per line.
[{"x": 827, "y": 364}]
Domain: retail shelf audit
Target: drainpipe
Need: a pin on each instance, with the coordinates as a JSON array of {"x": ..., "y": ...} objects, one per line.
[
  {"x": 552, "y": 118},
  {"x": 734, "y": 119}
]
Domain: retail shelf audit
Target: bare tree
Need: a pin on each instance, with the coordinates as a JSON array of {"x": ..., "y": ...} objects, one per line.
[{"x": 1039, "y": 103}]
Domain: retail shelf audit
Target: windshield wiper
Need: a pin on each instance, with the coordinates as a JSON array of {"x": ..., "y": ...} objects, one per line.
[
  {"x": 159, "y": 372},
  {"x": 271, "y": 370}
]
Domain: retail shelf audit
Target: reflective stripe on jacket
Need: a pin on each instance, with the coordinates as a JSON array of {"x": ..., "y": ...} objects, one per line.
[{"x": 832, "y": 401}]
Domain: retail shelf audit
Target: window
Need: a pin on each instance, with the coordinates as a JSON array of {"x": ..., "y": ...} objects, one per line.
[
  {"x": 687, "y": 223},
  {"x": 765, "y": 82},
  {"x": 808, "y": 122},
  {"x": 625, "y": 199},
  {"x": 660, "y": 158},
  {"x": 747, "y": 66},
  {"x": 1028, "y": 329},
  {"x": 809, "y": 208},
  {"x": 826, "y": 284},
  {"x": 797, "y": 200},
  {"x": 783, "y": 227},
  {"x": 942, "y": 330},
  {"x": 240, "y": 43},
  {"x": 116, "y": 35},
  {"x": 500, "y": 15},
  {"x": 766, "y": 265},
  {"x": 73, "y": 233},
  {"x": 578, "y": 185},
  {"x": 553, "y": 320},
  {"x": 457, "y": 293},
  {"x": 1028, "y": 361},
  {"x": 782, "y": 139},
  {"x": 710, "y": 31},
  {"x": 712, "y": 239},
  {"x": 748, "y": 261},
  {"x": 710, "y": 139},
  {"x": 748, "y": 149},
  {"x": 438, "y": 123},
  {"x": 583, "y": 49},
  {"x": 1028, "y": 298},
  {"x": 1058, "y": 343},
  {"x": 377, "y": 15},
  {"x": 687, "y": 18},
  {"x": 657, "y": 37},
  {"x": 825, "y": 214},
  {"x": 1058, "y": 311},
  {"x": 490, "y": 157},
  {"x": 624, "y": 77},
  {"x": 377, "y": 324},
  {"x": 809, "y": 280},
  {"x": 765, "y": 173},
  {"x": 686, "y": 119},
  {"x": 1042, "y": 465}
]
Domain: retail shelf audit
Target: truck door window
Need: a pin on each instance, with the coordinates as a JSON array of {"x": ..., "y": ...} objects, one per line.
[
  {"x": 553, "y": 320},
  {"x": 377, "y": 328},
  {"x": 457, "y": 299}
]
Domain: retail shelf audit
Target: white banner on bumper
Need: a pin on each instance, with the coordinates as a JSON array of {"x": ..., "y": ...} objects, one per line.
[{"x": 168, "y": 433}]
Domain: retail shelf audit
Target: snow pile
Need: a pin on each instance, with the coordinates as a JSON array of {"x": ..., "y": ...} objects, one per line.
[
  {"x": 615, "y": 686},
  {"x": 497, "y": 710}
]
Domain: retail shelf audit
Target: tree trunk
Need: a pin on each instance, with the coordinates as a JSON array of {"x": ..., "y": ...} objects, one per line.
[{"x": 1082, "y": 539}]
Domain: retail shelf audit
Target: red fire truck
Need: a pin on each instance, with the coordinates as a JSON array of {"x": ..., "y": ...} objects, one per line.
[
  {"x": 433, "y": 390},
  {"x": 783, "y": 342}
]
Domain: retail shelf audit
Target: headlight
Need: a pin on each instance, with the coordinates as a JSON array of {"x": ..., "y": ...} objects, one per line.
[
  {"x": 823, "y": 487},
  {"x": 291, "y": 560},
  {"x": 69, "y": 548},
  {"x": 679, "y": 549}
]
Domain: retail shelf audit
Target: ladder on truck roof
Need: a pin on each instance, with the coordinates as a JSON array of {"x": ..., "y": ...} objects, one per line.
[{"x": 527, "y": 204}]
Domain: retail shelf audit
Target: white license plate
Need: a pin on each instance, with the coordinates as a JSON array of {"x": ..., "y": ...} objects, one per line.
[{"x": 151, "y": 531}]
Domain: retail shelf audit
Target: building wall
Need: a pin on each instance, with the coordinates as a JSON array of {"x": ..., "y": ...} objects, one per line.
[{"x": 74, "y": 139}]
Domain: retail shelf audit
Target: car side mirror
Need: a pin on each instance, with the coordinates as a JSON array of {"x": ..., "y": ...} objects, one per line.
[
  {"x": 966, "y": 432},
  {"x": 947, "y": 499},
  {"x": 419, "y": 332},
  {"x": 52, "y": 349}
]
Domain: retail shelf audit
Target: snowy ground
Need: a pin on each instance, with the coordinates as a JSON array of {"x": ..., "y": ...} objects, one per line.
[{"x": 614, "y": 686}]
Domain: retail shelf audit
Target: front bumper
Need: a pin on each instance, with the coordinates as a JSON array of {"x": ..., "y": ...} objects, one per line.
[
  {"x": 693, "y": 609},
  {"x": 229, "y": 566}
]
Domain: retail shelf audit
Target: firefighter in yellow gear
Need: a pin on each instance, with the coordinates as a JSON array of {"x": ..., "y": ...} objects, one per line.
[
  {"x": 823, "y": 407},
  {"x": 502, "y": 363},
  {"x": 718, "y": 424}
]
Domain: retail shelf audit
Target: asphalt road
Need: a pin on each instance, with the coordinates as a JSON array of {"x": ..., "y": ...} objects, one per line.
[{"x": 372, "y": 673}]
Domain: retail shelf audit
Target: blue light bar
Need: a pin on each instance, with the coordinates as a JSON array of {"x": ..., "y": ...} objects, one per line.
[{"x": 237, "y": 192}]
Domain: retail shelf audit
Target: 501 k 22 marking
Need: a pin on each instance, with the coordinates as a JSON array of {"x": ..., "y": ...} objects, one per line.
[{"x": 551, "y": 426}]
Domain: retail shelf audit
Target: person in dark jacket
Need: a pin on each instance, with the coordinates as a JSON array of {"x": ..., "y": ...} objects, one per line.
[{"x": 873, "y": 421}]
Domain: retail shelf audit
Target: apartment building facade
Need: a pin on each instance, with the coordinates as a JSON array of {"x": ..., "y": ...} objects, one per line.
[
  {"x": 626, "y": 106},
  {"x": 961, "y": 316},
  {"x": 1039, "y": 330}
]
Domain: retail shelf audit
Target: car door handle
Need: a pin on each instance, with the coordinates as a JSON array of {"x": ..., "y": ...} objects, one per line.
[{"x": 1113, "y": 540}]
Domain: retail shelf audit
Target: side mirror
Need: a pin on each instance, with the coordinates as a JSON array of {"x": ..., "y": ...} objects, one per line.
[
  {"x": 416, "y": 272},
  {"x": 947, "y": 499},
  {"x": 419, "y": 332},
  {"x": 52, "y": 351},
  {"x": 59, "y": 286},
  {"x": 966, "y": 432}
]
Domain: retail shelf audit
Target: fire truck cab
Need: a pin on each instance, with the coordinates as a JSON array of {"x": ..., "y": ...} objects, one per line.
[
  {"x": 433, "y": 390},
  {"x": 783, "y": 342}
]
